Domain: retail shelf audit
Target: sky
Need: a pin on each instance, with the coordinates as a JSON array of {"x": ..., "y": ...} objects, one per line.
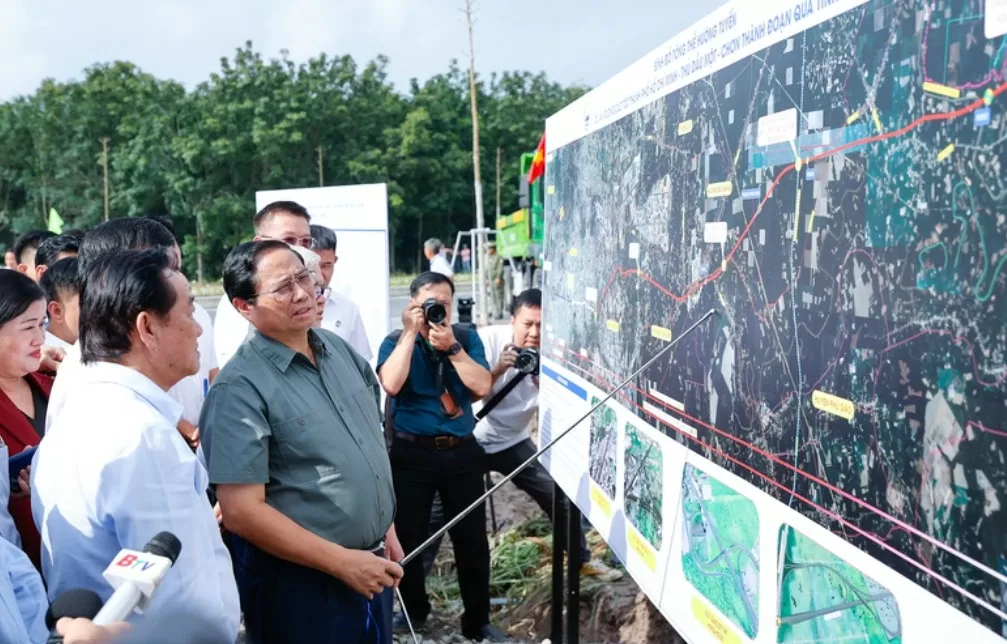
[{"x": 573, "y": 41}]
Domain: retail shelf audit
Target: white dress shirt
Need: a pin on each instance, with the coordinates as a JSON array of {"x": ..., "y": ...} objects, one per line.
[
  {"x": 342, "y": 317},
  {"x": 112, "y": 472},
  {"x": 53, "y": 341},
  {"x": 230, "y": 330},
  {"x": 510, "y": 422},
  {"x": 70, "y": 375},
  {"x": 191, "y": 392},
  {"x": 440, "y": 264}
]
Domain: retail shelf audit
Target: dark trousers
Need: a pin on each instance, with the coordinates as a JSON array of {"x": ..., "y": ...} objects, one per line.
[
  {"x": 285, "y": 602},
  {"x": 532, "y": 480},
  {"x": 455, "y": 475}
]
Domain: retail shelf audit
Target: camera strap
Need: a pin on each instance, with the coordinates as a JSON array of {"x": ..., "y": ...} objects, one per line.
[
  {"x": 451, "y": 408},
  {"x": 500, "y": 395}
]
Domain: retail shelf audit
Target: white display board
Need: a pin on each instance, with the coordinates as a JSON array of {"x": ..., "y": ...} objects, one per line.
[{"x": 359, "y": 216}]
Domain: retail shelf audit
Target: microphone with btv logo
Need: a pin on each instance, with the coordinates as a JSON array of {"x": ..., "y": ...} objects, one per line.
[
  {"x": 136, "y": 575},
  {"x": 76, "y": 602}
]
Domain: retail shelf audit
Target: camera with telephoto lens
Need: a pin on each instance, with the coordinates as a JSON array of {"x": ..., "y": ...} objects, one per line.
[
  {"x": 527, "y": 360},
  {"x": 434, "y": 311}
]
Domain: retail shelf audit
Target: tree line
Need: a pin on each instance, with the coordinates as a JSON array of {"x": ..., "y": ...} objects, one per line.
[{"x": 258, "y": 124}]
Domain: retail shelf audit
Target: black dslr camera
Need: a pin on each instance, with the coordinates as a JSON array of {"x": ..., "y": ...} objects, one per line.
[
  {"x": 527, "y": 361},
  {"x": 434, "y": 312}
]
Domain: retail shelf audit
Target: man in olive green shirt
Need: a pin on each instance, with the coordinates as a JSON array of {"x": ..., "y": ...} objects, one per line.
[{"x": 291, "y": 431}]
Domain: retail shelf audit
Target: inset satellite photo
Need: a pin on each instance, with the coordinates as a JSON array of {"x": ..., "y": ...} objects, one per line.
[
  {"x": 824, "y": 599},
  {"x": 602, "y": 452},
  {"x": 720, "y": 547},
  {"x": 644, "y": 484}
]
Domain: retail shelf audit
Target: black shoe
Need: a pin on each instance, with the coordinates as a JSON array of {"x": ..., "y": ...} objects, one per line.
[
  {"x": 399, "y": 623},
  {"x": 488, "y": 633}
]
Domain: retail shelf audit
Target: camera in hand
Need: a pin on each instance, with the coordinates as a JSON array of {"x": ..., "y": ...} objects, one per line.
[
  {"x": 434, "y": 311},
  {"x": 527, "y": 360}
]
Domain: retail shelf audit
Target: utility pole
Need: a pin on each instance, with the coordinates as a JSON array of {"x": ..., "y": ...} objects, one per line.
[
  {"x": 321, "y": 175},
  {"x": 104, "y": 168},
  {"x": 480, "y": 249},
  {"x": 499, "y": 152},
  {"x": 199, "y": 247}
]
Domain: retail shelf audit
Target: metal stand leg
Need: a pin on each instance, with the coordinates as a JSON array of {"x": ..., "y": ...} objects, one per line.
[
  {"x": 558, "y": 539},
  {"x": 572, "y": 573}
]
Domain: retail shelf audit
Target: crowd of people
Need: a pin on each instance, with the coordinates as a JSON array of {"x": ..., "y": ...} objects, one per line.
[{"x": 294, "y": 474}]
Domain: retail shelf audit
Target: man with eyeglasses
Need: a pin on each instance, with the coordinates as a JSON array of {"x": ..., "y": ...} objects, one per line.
[
  {"x": 292, "y": 438},
  {"x": 285, "y": 221},
  {"x": 340, "y": 314}
]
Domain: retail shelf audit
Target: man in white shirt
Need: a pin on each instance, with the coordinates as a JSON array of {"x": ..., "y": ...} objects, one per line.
[
  {"x": 285, "y": 221},
  {"x": 61, "y": 283},
  {"x": 341, "y": 315},
  {"x": 505, "y": 432},
  {"x": 132, "y": 474},
  {"x": 433, "y": 250},
  {"x": 125, "y": 233}
]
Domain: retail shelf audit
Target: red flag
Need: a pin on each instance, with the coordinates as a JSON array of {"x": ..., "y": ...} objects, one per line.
[{"x": 538, "y": 163}]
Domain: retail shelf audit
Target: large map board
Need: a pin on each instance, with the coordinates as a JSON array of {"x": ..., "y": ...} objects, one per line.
[{"x": 824, "y": 459}]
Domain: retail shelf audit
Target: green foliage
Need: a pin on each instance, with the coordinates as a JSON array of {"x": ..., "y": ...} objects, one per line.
[{"x": 258, "y": 124}]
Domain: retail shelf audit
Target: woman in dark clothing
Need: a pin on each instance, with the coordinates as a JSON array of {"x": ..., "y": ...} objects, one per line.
[{"x": 24, "y": 393}]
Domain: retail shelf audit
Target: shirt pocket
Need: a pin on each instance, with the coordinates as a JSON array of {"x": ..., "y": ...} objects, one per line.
[{"x": 306, "y": 446}]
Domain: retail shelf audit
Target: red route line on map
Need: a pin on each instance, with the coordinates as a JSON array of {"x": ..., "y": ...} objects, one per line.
[
  {"x": 926, "y": 118},
  {"x": 864, "y": 504},
  {"x": 869, "y": 535}
]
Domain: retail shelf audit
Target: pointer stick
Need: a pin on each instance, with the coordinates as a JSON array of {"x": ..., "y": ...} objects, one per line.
[{"x": 475, "y": 504}]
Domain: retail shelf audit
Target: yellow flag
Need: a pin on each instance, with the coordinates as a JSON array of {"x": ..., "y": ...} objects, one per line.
[{"x": 55, "y": 222}]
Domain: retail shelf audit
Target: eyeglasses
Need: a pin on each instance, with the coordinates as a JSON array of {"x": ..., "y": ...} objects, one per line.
[
  {"x": 305, "y": 280},
  {"x": 322, "y": 293},
  {"x": 303, "y": 242}
]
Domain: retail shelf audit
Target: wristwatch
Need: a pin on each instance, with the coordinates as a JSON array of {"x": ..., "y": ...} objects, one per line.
[{"x": 455, "y": 348}]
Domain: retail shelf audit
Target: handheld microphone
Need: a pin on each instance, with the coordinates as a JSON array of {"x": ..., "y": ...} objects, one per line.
[
  {"x": 136, "y": 575},
  {"x": 76, "y": 602}
]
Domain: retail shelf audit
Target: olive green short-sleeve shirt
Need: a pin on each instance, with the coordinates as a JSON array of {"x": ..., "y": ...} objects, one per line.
[{"x": 312, "y": 435}]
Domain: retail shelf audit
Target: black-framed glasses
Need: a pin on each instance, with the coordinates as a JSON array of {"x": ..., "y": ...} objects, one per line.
[{"x": 285, "y": 290}]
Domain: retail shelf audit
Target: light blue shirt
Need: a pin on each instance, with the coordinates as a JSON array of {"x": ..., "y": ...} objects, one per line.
[
  {"x": 112, "y": 472},
  {"x": 22, "y": 597}
]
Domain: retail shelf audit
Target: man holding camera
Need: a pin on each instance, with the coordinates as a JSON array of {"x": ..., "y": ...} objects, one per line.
[
  {"x": 432, "y": 376},
  {"x": 504, "y": 431}
]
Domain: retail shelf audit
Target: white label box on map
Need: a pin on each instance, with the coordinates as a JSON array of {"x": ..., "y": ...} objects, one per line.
[
  {"x": 996, "y": 18},
  {"x": 777, "y": 128},
  {"x": 715, "y": 232},
  {"x": 634, "y": 250}
]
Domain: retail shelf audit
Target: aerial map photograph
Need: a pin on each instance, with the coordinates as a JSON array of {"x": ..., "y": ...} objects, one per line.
[
  {"x": 720, "y": 547},
  {"x": 839, "y": 198},
  {"x": 603, "y": 448},
  {"x": 643, "y": 491},
  {"x": 824, "y": 599}
]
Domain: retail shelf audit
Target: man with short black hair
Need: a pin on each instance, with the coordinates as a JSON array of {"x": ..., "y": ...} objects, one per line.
[
  {"x": 132, "y": 475},
  {"x": 52, "y": 250},
  {"x": 61, "y": 284},
  {"x": 432, "y": 376},
  {"x": 341, "y": 315},
  {"x": 292, "y": 438},
  {"x": 25, "y": 248},
  {"x": 286, "y": 221}
]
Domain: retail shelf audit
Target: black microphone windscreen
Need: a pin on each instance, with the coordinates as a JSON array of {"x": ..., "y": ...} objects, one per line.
[
  {"x": 76, "y": 602},
  {"x": 164, "y": 544}
]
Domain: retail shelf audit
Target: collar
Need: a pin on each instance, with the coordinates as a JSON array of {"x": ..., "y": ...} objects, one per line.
[
  {"x": 280, "y": 354},
  {"x": 109, "y": 372}
]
